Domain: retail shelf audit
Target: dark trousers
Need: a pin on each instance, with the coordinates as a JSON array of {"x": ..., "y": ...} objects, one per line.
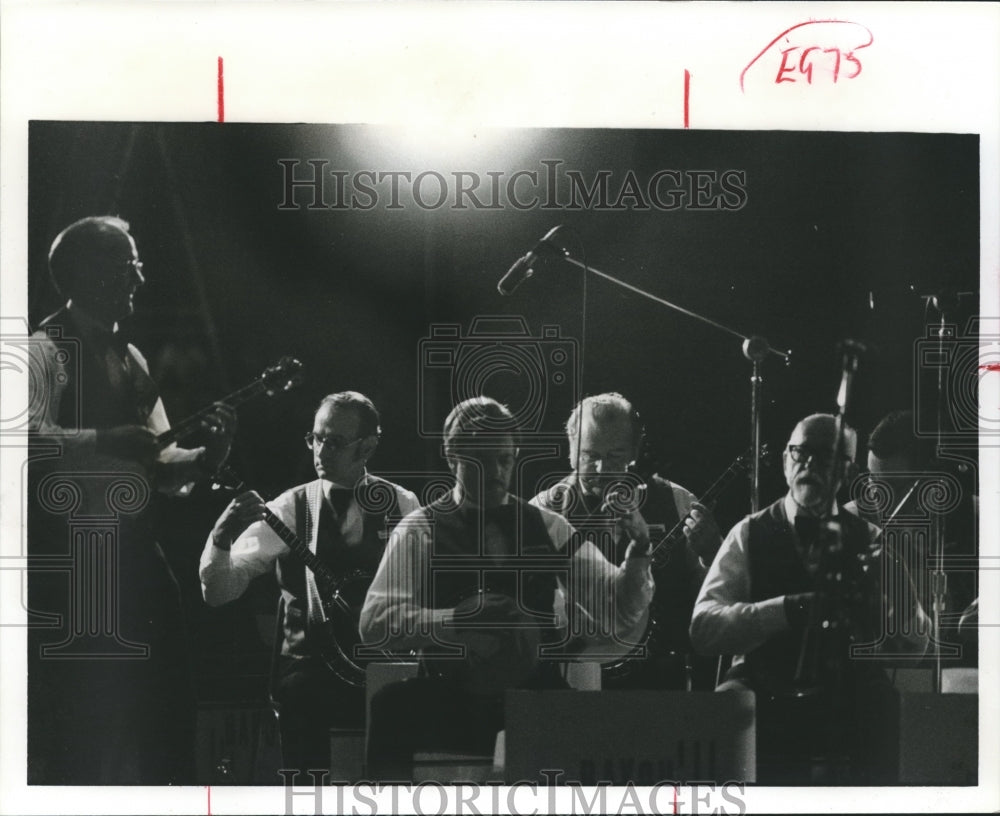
[
  {"x": 114, "y": 720},
  {"x": 428, "y": 714},
  {"x": 312, "y": 700}
]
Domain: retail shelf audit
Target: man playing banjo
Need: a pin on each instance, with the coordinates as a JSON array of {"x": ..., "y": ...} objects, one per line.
[{"x": 344, "y": 516}]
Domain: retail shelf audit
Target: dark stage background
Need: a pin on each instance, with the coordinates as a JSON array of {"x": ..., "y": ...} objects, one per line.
[{"x": 234, "y": 282}]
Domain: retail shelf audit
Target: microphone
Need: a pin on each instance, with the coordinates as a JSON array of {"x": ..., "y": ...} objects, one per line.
[
  {"x": 852, "y": 350},
  {"x": 521, "y": 269}
]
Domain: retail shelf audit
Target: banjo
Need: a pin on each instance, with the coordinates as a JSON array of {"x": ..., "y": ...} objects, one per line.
[
  {"x": 652, "y": 642},
  {"x": 341, "y": 595},
  {"x": 282, "y": 376}
]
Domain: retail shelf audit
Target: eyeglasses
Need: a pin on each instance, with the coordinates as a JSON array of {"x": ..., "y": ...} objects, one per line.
[
  {"x": 803, "y": 453},
  {"x": 331, "y": 443},
  {"x": 612, "y": 460}
]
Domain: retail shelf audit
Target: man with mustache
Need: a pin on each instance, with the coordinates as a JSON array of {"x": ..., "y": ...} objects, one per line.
[
  {"x": 479, "y": 583},
  {"x": 343, "y": 519},
  {"x": 772, "y": 598}
]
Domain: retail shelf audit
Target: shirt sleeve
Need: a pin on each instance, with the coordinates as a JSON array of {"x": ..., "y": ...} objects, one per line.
[
  {"x": 683, "y": 499},
  {"x": 601, "y": 602},
  {"x": 407, "y": 501},
  {"x": 605, "y": 607},
  {"x": 397, "y": 614},
  {"x": 176, "y": 469},
  {"x": 226, "y": 574},
  {"x": 543, "y": 501},
  {"x": 725, "y": 621}
]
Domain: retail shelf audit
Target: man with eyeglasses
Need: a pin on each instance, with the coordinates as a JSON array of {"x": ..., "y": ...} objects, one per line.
[
  {"x": 480, "y": 582},
  {"x": 110, "y": 697},
  {"x": 792, "y": 587},
  {"x": 344, "y": 516},
  {"x": 605, "y": 437}
]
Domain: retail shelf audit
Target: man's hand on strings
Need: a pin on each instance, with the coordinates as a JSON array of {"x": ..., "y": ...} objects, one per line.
[{"x": 241, "y": 512}]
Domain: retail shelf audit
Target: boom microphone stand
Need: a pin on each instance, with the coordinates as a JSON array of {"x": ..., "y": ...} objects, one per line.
[{"x": 755, "y": 349}]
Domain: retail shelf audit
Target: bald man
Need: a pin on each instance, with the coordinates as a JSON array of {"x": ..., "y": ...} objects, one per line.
[
  {"x": 100, "y": 710},
  {"x": 823, "y": 716}
]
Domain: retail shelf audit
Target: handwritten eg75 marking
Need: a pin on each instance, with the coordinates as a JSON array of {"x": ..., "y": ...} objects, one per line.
[{"x": 810, "y": 51}]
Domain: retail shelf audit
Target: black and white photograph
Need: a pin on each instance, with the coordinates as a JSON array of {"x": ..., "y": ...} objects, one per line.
[{"x": 599, "y": 465}]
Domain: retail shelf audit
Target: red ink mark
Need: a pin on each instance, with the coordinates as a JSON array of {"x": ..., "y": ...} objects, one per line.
[
  {"x": 687, "y": 98},
  {"x": 784, "y": 69},
  {"x": 991, "y": 367},
  {"x": 836, "y": 42},
  {"x": 675, "y": 799},
  {"x": 222, "y": 95},
  {"x": 209, "y": 789}
]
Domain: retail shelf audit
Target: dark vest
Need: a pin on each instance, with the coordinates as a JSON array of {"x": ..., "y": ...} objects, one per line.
[
  {"x": 776, "y": 569},
  {"x": 331, "y": 548},
  {"x": 460, "y": 569},
  {"x": 92, "y": 398}
]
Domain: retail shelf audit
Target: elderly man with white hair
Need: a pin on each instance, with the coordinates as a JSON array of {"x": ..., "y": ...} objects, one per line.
[{"x": 796, "y": 594}]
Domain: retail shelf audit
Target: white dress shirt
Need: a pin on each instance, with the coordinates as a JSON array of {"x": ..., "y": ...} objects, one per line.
[
  {"x": 726, "y": 621},
  {"x": 226, "y": 574},
  {"x": 605, "y": 605}
]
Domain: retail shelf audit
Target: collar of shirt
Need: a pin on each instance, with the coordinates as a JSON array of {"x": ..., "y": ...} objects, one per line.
[
  {"x": 89, "y": 324},
  {"x": 793, "y": 509},
  {"x": 329, "y": 484},
  {"x": 100, "y": 337},
  {"x": 459, "y": 500}
]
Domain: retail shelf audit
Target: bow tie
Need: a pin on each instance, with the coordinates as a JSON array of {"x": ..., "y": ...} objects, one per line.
[
  {"x": 340, "y": 500},
  {"x": 807, "y": 529},
  {"x": 592, "y": 505}
]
